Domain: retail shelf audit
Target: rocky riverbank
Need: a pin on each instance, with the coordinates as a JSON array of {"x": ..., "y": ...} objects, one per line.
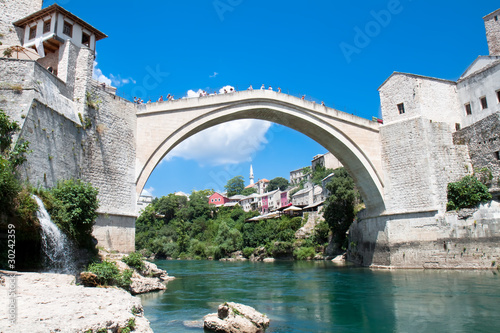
[{"x": 47, "y": 302}]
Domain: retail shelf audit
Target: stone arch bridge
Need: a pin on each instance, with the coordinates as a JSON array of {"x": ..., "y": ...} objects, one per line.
[{"x": 353, "y": 140}]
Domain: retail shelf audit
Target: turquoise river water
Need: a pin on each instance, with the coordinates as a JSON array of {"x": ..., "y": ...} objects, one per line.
[{"x": 324, "y": 297}]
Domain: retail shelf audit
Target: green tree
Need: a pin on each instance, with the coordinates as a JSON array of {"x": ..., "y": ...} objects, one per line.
[
  {"x": 339, "y": 210},
  {"x": 278, "y": 183},
  {"x": 249, "y": 190},
  {"x": 169, "y": 205},
  {"x": 235, "y": 186},
  {"x": 320, "y": 173}
]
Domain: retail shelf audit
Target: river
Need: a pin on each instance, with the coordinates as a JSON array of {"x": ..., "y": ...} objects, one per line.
[{"x": 302, "y": 296}]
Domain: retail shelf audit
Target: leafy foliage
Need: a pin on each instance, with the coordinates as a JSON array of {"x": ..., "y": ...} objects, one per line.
[
  {"x": 235, "y": 186},
  {"x": 10, "y": 158},
  {"x": 108, "y": 274},
  {"x": 339, "y": 210},
  {"x": 73, "y": 204},
  {"x": 248, "y": 191},
  {"x": 134, "y": 260},
  {"x": 304, "y": 253},
  {"x": 467, "y": 193},
  {"x": 278, "y": 183},
  {"x": 320, "y": 173}
]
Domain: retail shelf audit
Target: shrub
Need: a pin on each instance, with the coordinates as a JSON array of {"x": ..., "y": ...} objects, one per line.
[
  {"x": 108, "y": 274},
  {"x": 9, "y": 185},
  {"x": 466, "y": 193},
  {"x": 74, "y": 209},
  {"x": 281, "y": 249},
  {"x": 134, "y": 260},
  {"x": 304, "y": 253},
  {"x": 106, "y": 271},
  {"x": 248, "y": 251},
  {"x": 320, "y": 234}
]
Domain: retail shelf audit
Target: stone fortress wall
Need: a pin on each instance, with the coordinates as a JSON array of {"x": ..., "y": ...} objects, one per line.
[
  {"x": 75, "y": 129},
  {"x": 429, "y": 142}
]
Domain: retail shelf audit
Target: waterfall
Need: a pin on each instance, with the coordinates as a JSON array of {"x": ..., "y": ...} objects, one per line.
[{"x": 56, "y": 247}]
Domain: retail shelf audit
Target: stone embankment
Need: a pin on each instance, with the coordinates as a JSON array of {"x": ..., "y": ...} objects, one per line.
[{"x": 47, "y": 302}]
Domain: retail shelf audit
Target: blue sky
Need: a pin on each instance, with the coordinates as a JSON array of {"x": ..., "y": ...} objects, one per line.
[{"x": 338, "y": 52}]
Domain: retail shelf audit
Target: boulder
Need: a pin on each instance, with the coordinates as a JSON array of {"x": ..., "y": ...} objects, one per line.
[
  {"x": 151, "y": 270},
  {"x": 236, "y": 318},
  {"x": 141, "y": 284},
  {"x": 259, "y": 254}
]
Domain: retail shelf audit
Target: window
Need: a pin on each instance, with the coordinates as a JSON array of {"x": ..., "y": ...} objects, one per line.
[
  {"x": 498, "y": 95},
  {"x": 401, "y": 108},
  {"x": 68, "y": 29},
  {"x": 484, "y": 103},
  {"x": 33, "y": 32},
  {"x": 457, "y": 126},
  {"x": 468, "y": 109},
  {"x": 496, "y": 18},
  {"x": 46, "y": 26},
  {"x": 497, "y": 155},
  {"x": 85, "y": 39}
]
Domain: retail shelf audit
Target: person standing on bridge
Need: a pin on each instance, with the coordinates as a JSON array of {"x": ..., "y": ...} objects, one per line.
[
  {"x": 270, "y": 88},
  {"x": 262, "y": 87},
  {"x": 279, "y": 89},
  {"x": 250, "y": 88}
]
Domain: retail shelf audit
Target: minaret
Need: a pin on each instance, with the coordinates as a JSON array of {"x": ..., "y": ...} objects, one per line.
[{"x": 251, "y": 175}]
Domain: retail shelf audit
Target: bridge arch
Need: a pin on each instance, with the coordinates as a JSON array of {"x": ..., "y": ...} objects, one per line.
[{"x": 353, "y": 140}]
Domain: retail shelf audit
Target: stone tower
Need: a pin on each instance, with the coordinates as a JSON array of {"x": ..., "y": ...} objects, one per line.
[
  {"x": 251, "y": 175},
  {"x": 11, "y": 11},
  {"x": 492, "y": 25}
]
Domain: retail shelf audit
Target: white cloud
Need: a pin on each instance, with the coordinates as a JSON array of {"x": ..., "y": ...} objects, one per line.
[
  {"x": 192, "y": 93},
  {"x": 99, "y": 76},
  {"x": 228, "y": 143},
  {"x": 148, "y": 191},
  {"x": 113, "y": 80},
  {"x": 214, "y": 75},
  {"x": 227, "y": 88}
]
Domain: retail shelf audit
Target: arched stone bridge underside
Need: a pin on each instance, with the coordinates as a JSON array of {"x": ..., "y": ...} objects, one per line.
[{"x": 353, "y": 140}]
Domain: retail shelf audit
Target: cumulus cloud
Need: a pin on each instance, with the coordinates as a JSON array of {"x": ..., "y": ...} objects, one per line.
[
  {"x": 192, "y": 93},
  {"x": 112, "y": 80},
  {"x": 99, "y": 76},
  {"x": 148, "y": 191},
  {"x": 226, "y": 88},
  {"x": 228, "y": 143}
]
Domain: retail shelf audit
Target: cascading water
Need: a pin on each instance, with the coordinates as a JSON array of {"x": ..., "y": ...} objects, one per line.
[{"x": 56, "y": 247}]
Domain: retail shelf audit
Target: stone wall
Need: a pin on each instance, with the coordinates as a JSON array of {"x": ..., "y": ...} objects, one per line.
[
  {"x": 492, "y": 25},
  {"x": 56, "y": 144},
  {"x": 483, "y": 83},
  {"x": 110, "y": 151},
  {"x": 101, "y": 149},
  {"x": 434, "y": 99},
  {"x": 483, "y": 140},
  {"x": 429, "y": 240},
  {"x": 12, "y": 11},
  {"x": 109, "y": 164},
  {"x": 419, "y": 160}
]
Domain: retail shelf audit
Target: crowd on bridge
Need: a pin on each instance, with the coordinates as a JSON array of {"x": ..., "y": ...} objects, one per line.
[{"x": 203, "y": 93}]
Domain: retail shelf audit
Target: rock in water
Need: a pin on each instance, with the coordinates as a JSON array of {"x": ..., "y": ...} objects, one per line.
[{"x": 236, "y": 318}]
